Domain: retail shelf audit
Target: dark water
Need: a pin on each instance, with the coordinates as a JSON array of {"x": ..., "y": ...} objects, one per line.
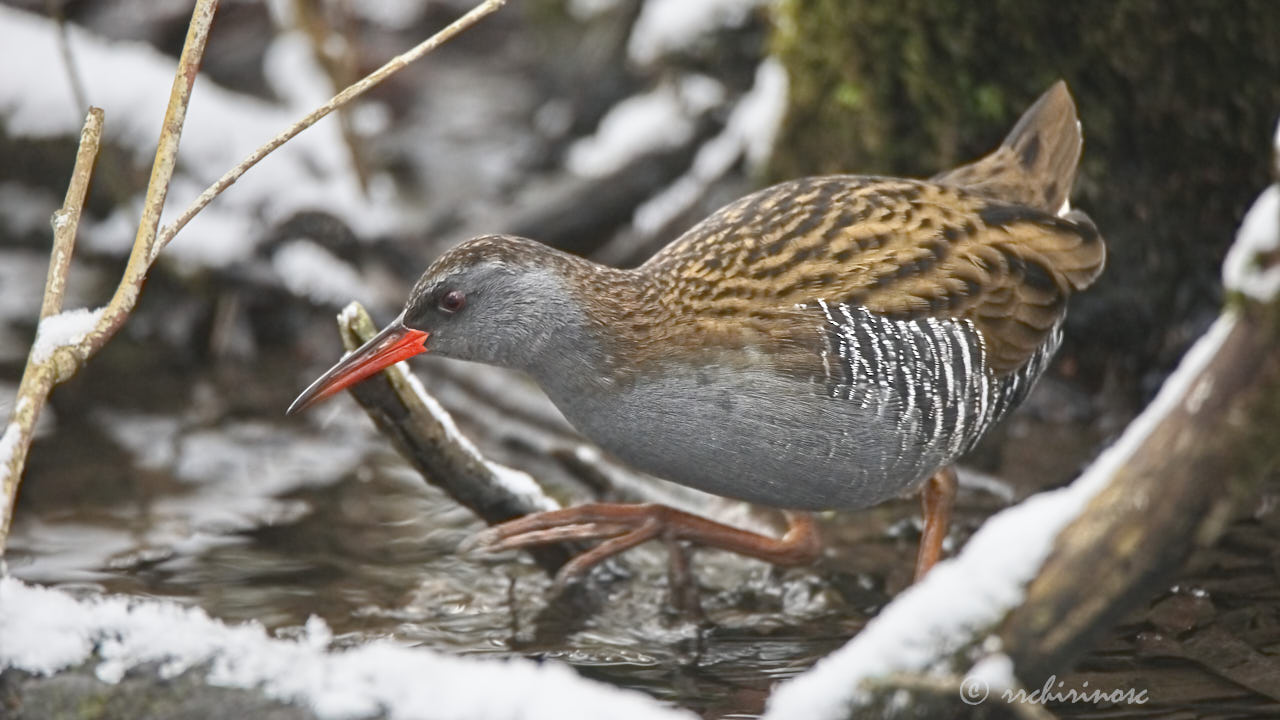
[
  {"x": 222, "y": 503},
  {"x": 192, "y": 486}
]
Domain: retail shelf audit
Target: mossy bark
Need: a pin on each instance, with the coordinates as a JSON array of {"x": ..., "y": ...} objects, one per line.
[
  {"x": 1174, "y": 496},
  {"x": 1175, "y": 99}
]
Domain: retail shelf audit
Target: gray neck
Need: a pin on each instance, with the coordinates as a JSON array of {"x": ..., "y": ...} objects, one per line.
[
  {"x": 574, "y": 345},
  {"x": 569, "y": 358}
]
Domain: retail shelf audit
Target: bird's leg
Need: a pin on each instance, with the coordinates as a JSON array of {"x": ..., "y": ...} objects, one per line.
[
  {"x": 680, "y": 580},
  {"x": 938, "y": 497},
  {"x": 623, "y": 526}
]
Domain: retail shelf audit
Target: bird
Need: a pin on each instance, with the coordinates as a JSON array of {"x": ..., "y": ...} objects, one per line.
[{"x": 827, "y": 343}]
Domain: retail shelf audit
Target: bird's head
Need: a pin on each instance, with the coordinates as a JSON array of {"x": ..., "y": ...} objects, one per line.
[{"x": 495, "y": 299}]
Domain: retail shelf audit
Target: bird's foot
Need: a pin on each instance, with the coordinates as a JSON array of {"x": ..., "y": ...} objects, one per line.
[{"x": 620, "y": 527}]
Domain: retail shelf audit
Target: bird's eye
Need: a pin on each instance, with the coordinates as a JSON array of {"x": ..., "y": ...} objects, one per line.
[{"x": 452, "y": 301}]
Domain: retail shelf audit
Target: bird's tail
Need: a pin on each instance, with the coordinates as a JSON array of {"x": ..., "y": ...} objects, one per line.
[{"x": 1036, "y": 164}]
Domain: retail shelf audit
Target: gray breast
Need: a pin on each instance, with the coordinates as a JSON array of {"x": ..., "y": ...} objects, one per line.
[
  {"x": 899, "y": 400},
  {"x": 756, "y": 435}
]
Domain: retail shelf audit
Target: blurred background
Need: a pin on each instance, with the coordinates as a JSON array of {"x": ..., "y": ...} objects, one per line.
[{"x": 605, "y": 128}]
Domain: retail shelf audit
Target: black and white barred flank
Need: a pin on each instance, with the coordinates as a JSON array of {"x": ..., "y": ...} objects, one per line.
[{"x": 937, "y": 368}]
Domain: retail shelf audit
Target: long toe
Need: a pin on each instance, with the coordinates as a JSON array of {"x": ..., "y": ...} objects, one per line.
[
  {"x": 490, "y": 541},
  {"x": 582, "y": 564},
  {"x": 620, "y": 527}
]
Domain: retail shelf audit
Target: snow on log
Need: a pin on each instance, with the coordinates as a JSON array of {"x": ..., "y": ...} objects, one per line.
[
  {"x": 46, "y": 631},
  {"x": 1039, "y": 581}
]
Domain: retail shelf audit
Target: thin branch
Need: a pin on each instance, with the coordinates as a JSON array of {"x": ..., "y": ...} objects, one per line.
[
  {"x": 66, "y": 221},
  {"x": 393, "y": 66},
  {"x": 42, "y": 373},
  {"x": 38, "y": 378},
  {"x": 145, "y": 246},
  {"x": 47, "y": 368}
]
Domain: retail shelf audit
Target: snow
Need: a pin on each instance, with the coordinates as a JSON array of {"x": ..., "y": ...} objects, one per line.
[
  {"x": 1259, "y": 235},
  {"x": 522, "y": 484},
  {"x": 963, "y": 598},
  {"x": 66, "y": 329},
  {"x": 218, "y": 237},
  {"x": 371, "y": 118},
  {"x": 554, "y": 118},
  {"x": 26, "y": 209},
  {"x": 44, "y": 631},
  {"x": 583, "y": 10},
  {"x": 249, "y": 457},
  {"x": 290, "y": 68},
  {"x": 131, "y": 82},
  {"x": 22, "y": 277},
  {"x": 239, "y": 472},
  {"x": 313, "y": 272},
  {"x": 645, "y": 123},
  {"x": 391, "y": 14},
  {"x": 113, "y": 234},
  {"x": 237, "y": 475},
  {"x": 667, "y": 26},
  {"x": 994, "y": 672},
  {"x": 750, "y": 131}
]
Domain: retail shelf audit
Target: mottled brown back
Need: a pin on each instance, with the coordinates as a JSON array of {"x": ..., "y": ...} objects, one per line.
[{"x": 981, "y": 242}]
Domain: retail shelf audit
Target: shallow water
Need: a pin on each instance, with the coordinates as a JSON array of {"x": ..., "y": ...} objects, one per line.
[
  {"x": 194, "y": 487},
  {"x": 253, "y": 516}
]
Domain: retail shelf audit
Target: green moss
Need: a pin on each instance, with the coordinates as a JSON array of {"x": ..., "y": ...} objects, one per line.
[{"x": 1178, "y": 102}]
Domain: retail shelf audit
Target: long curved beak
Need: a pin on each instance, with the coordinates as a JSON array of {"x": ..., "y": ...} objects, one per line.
[{"x": 395, "y": 343}]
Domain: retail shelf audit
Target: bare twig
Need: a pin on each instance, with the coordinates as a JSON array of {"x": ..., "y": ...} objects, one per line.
[
  {"x": 48, "y": 367},
  {"x": 393, "y": 66},
  {"x": 145, "y": 246},
  {"x": 67, "y": 220},
  {"x": 37, "y": 379},
  {"x": 43, "y": 372}
]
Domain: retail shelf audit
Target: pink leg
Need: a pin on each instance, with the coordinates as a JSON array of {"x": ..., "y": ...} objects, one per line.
[{"x": 939, "y": 497}]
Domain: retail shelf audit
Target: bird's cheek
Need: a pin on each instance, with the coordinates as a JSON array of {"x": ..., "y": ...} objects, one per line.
[{"x": 443, "y": 343}]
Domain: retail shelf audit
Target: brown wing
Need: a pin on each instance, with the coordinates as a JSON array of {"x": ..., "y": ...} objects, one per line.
[{"x": 900, "y": 248}]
